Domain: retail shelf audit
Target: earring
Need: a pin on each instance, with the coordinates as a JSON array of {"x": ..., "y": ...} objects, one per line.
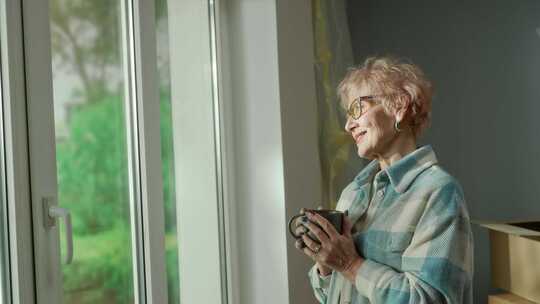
[{"x": 396, "y": 126}]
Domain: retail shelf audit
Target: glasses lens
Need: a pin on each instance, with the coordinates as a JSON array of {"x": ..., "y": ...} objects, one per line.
[{"x": 355, "y": 109}]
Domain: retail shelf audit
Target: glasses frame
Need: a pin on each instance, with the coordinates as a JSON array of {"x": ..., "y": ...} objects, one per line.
[{"x": 358, "y": 101}]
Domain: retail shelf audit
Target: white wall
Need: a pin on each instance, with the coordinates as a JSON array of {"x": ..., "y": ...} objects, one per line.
[
  {"x": 299, "y": 129},
  {"x": 276, "y": 170}
]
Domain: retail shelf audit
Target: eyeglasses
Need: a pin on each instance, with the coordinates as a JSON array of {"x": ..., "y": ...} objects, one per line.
[{"x": 355, "y": 109}]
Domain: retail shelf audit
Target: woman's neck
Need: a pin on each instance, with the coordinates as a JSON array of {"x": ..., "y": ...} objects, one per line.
[{"x": 403, "y": 144}]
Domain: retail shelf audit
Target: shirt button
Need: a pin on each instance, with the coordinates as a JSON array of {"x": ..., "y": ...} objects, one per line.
[{"x": 381, "y": 193}]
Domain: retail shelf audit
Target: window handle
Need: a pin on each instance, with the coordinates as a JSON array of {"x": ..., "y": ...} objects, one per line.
[{"x": 51, "y": 214}]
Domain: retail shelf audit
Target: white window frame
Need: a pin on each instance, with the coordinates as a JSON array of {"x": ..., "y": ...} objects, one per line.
[
  {"x": 5, "y": 289},
  {"x": 144, "y": 159},
  {"x": 200, "y": 168},
  {"x": 16, "y": 157}
]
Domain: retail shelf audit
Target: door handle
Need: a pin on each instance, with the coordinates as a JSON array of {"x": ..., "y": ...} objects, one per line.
[{"x": 51, "y": 213}]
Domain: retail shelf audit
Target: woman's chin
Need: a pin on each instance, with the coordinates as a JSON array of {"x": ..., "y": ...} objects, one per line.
[
  {"x": 365, "y": 152},
  {"x": 362, "y": 152}
]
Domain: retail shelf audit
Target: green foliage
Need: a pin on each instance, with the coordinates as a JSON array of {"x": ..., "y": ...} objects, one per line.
[
  {"x": 92, "y": 167},
  {"x": 93, "y": 184},
  {"x": 171, "y": 260},
  {"x": 167, "y": 160},
  {"x": 102, "y": 266}
]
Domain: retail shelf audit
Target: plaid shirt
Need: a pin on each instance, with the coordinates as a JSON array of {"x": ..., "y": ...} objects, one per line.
[{"x": 414, "y": 233}]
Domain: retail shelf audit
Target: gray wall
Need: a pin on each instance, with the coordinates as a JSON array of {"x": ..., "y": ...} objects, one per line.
[{"x": 484, "y": 58}]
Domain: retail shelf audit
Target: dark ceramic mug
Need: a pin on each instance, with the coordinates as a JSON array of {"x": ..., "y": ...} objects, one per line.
[{"x": 335, "y": 217}]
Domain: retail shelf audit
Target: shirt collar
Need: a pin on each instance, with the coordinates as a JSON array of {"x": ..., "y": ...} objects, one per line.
[{"x": 403, "y": 172}]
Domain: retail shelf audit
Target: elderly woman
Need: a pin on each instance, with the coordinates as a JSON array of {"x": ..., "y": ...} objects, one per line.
[{"x": 407, "y": 237}]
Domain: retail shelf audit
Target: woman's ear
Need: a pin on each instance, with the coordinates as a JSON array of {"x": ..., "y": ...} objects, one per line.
[{"x": 401, "y": 113}]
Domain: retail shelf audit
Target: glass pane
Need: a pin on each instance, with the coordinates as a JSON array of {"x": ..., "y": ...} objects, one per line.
[
  {"x": 91, "y": 150},
  {"x": 167, "y": 156}
]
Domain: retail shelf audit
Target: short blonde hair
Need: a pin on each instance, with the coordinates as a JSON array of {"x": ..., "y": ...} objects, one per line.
[{"x": 401, "y": 83}]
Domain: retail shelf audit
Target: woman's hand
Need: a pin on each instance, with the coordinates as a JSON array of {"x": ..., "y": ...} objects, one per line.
[
  {"x": 323, "y": 270},
  {"x": 334, "y": 251},
  {"x": 300, "y": 245}
]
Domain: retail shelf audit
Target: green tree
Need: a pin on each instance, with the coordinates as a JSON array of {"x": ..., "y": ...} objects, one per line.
[
  {"x": 92, "y": 168},
  {"x": 93, "y": 185},
  {"x": 86, "y": 41}
]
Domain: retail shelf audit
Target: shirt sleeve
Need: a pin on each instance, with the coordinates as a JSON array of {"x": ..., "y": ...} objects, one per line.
[
  {"x": 437, "y": 266},
  {"x": 319, "y": 284}
]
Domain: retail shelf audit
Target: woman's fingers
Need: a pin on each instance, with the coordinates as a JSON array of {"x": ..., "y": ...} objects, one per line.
[
  {"x": 328, "y": 228},
  {"x": 299, "y": 244},
  {"x": 335, "y": 251},
  {"x": 347, "y": 226},
  {"x": 300, "y": 229},
  {"x": 317, "y": 231},
  {"x": 312, "y": 245},
  {"x": 307, "y": 251}
]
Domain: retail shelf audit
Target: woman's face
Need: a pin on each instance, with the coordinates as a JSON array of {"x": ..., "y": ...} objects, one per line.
[{"x": 374, "y": 130}]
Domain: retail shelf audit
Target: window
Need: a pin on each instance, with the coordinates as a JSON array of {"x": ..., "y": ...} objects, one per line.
[
  {"x": 139, "y": 204},
  {"x": 91, "y": 148}
]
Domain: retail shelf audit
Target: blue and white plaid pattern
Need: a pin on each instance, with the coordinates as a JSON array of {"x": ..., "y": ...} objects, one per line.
[{"x": 415, "y": 236}]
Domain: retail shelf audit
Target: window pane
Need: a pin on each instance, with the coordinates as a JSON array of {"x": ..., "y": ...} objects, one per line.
[
  {"x": 167, "y": 156},
  {"x": 91, "y": 150}
]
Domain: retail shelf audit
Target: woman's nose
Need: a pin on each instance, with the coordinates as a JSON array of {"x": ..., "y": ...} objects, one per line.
[{"x": 349, "y": 124}]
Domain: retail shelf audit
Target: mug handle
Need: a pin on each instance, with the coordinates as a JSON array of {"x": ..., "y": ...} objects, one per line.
[{"x": 290, "y": 223}]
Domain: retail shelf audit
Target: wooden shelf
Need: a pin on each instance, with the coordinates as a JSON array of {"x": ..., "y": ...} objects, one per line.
[{"x": 508, "y": 298}]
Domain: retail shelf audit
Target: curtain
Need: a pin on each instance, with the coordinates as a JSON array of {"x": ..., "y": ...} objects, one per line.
[{"x": 333, "y": 55}]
